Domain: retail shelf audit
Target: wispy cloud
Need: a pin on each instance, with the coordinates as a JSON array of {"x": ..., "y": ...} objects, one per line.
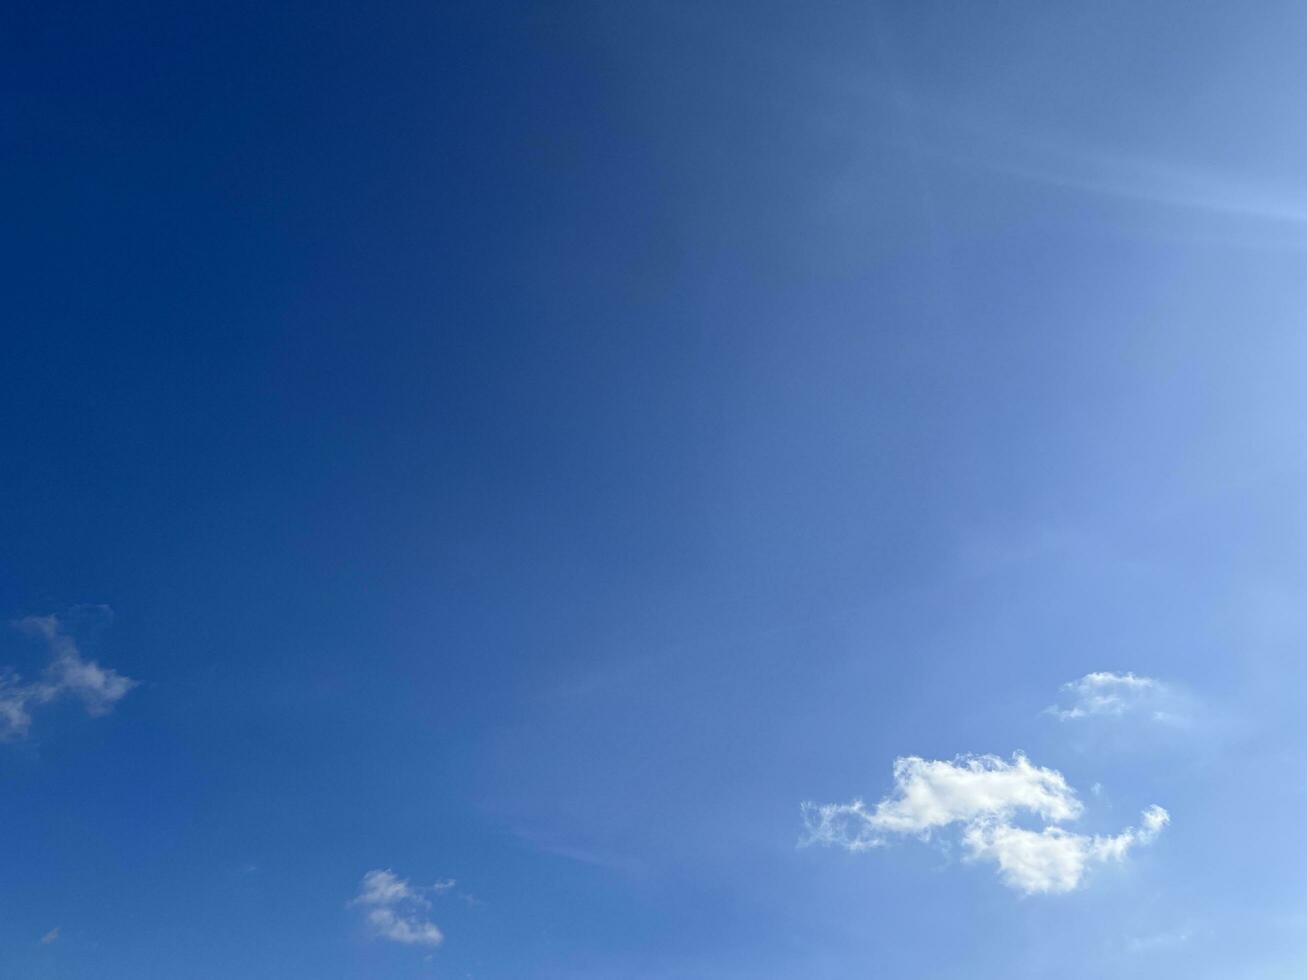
[
  {"x": 1159, "y": 941},
  {"x": 50, "y": 936},
  {"x": 983, "y": 795},
  {"x": 583, "y": 853},
  {"x": 1104, "y": 694},
  {"x": 397, "y": 910},
  {"x": 1126, "y": 173},
  {"x": 68, "y": 674},
  {"x": 1148, "y": 180}
]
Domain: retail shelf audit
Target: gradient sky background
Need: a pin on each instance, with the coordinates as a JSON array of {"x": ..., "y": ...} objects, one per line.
[{"x": 541, "y": 445}]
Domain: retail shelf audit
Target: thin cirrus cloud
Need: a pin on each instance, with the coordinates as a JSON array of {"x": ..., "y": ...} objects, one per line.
[
  {"x": 68, "y": 675},
  {"x": 983, "y": 795},
  {"x": 396, "y": 910},
  {"x": 1105, "y": 694}
]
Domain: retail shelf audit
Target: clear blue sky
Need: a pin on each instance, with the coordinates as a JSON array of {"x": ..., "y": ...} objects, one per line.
[{"x": 472, "y": 471}]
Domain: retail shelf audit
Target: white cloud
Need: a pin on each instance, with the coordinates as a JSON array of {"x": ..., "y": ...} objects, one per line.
[
  {"x": 983, "y": 794},
  {"x": 932, "y": 794},
  {"x": 396, "y": 910},
  {"x": 50, "y": 936},
  {"x": 1053, "y": 859},
  {"x": 386, "y": 888},
  {"x": 15, "y": 696},
  {"x": 67, "y": 675},
  {"x": 400, "y": 928},
  {"x": 1107, "y": 694}
]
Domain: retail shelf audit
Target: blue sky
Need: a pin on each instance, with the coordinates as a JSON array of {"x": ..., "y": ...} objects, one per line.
[{"x": 591, "y": 490}]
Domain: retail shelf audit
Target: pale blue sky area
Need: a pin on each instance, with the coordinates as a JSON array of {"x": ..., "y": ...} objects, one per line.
[{"x": 653, "y": 490}]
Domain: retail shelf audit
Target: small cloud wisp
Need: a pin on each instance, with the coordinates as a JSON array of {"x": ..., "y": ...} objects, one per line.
[
  {"x": 396, "y": 910},
  {"x": 1105, "y": 694},
  {"x": 67, "y": 675}
]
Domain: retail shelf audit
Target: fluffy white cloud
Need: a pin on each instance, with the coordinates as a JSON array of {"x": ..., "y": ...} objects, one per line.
[
  {"x": 67, "y": 675},
  {"x": 983, "y": 794},
  {"x": 386, "y": 888},
  {"x": 396, "y": 910},
  {"x": 1053, "y": 859},
  {"x": 401, "y": 928},
  {"x": 1104, "y": 693},
  {"x": 930, "y": 794}
]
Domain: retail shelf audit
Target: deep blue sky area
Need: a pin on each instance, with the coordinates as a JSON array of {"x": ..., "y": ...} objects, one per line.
[{"x": 471, "y": 472}]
